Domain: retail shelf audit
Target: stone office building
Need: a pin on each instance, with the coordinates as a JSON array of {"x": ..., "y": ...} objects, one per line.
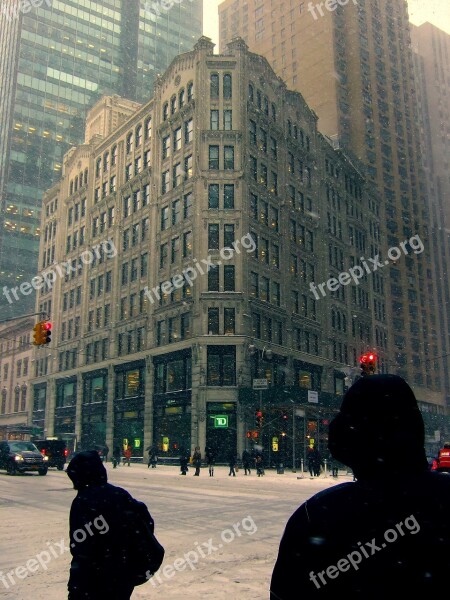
[{"x": 191, "y": 228}]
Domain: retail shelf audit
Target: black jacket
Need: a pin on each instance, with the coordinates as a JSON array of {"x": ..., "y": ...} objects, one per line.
[
  {"x": 99, "y": 537},
  {"x": 387, "y": 535}
]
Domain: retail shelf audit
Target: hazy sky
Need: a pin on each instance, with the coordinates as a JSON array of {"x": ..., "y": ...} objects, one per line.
[{"x": 434, "y": 11}]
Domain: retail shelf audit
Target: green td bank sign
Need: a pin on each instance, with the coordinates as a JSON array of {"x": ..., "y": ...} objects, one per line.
[{"x": 220, "y": 421}]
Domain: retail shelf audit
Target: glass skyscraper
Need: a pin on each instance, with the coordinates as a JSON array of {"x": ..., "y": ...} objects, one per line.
[{"x": 56, "y": 60}]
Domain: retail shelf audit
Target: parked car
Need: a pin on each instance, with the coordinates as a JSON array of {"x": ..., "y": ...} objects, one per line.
[
  {"x": 55, "y": 450},
  {"x": 443, "y": 459},
  {"x": 19, "y": 457}
]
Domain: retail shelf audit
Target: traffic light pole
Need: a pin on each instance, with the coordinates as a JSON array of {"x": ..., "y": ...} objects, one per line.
[{"x": 44, "y": 316}]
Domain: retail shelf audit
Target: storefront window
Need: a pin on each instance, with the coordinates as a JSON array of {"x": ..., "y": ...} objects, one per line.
[{"x": 66, "y": 395}]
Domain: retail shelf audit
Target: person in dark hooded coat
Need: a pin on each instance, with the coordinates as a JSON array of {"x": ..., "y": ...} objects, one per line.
[
  {"x": 385, "y": 535},
  {"x": 99, "y": 537}
]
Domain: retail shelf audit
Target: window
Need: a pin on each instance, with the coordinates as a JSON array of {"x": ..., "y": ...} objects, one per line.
[
  {"x": 164, "y": 217},
  {"x": 173, "y": 105},
  {"x": 166, "y": 111},
  {"x": 213, "y": 321},
  {"x": 228, "y": 120},
  {"x": 98, "y": 167},
  {"x": 213, "y": 158},
  {"x": 175, "y": 249},
  {"x": 228, "y": 157},
  {"x": 227, "y": 87},
  {"x": 177, "y": 175},
  {"x": 187, "y": 209},
  {"x": 213, "y": 236},
  {"x": 106, "y": 162},
  {"x": 110, "y": 216},
  {"x": 163, "y": 252},
  {"x": 160, "y": 333},
  {"x": 124, "y": 274},
  {"x": 229, "y": 278},
  {"x": 176, "y": 212},
  {"x": 165, "y": 182},
  {"x": 252, "y": 133},
  {"x": 128, "y": 172},
  {"x": 228, "y": 196},
  {"x": 229, "y": 321},
  {"x": 148, "y": 128},
  {"x": 213, "y": 279},
  {"x": 137, "y": 165},
  {"x": 144, "y": 264},
  {"x": 138, "y": 136},
  {"x": 213, "y": 196},
  {"x": 188, "y": 167},
  {"x": 187, "y": 244},
  {"x": 135, "y": 234},
  {"x": 190, "y": 90},
  {"x": 185, "y": 326},
  {"x": 214, "y": 120},
  {"x": 166, "y": 147},
  {"x": 129, "y": 143},
  {"x": 214, "y": 86},
  {"x": 228, "y": 236},
  {"x": 181, "y": 96},
  {"x": 221, "y": 365},
  {"x": 188, "y": 131}
]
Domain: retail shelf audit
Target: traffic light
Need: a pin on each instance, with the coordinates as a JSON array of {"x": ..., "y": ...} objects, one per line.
[
  {"x": 258, "y": 418},
  {"x": 42, "y": 333},
  {"x": 368, "y": 363},
  {"x": 47, "y": 332}
]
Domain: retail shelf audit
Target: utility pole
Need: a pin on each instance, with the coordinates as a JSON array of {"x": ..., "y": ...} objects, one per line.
[{"x": 293, "y": 439}]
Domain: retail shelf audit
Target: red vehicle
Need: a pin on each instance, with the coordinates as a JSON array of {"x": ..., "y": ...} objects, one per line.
[{"x": 443, "y": 459}]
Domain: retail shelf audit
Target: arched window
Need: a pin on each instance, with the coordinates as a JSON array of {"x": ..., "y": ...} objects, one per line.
[
  {"x": 86, "y": 177},
  {"x": 190, "y": 91},
  {"x": 16, "y": 398},
  {"x": 114, "y": 156},
  {"x": 4, "y": 395},
  {"x": 148, "y": 128},
  {"x": 166, "y": 111},
  {"x": 98, "y": 166},
  {"x": 214, "y": 85},
  {"x": 138, "y": 136},
  {"x": 181, "y": 98},
  {"x": 76, "y": 183},
  {"x": 302, "y": 138},
  {"x": 333, "y": 319},
  {"x": 129, "y": 143},
  {"x": 80, "y": 179},
  {"x": 71, "y": 187},
  {"x": 295, "y": 132},
  {"x": 173, "y": 105},
  {"x": 251, "y": 93},
  {"x": 227, "y": 87},
  {"x": 106, "y": 162}
]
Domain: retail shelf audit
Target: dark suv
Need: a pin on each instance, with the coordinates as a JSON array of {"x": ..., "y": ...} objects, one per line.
[
  {"x": 18, "y": 457},
  {"x": 55, "y": 450}
]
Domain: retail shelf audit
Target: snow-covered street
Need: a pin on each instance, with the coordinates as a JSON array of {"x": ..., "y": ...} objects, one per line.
[{"x": 220, "y": 534}]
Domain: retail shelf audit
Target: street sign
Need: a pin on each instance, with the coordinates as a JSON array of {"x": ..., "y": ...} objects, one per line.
[
  {"x": 220, "y": 421},
  {"x": 260, "y": 384},
  {"x": 299, "y": 412},
  {"x": 275, "y": 444},
  {"x": 313, "y": 397}
]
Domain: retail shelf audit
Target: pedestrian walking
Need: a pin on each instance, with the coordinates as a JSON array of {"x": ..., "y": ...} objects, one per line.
[
  {"x": 127, "y": 454},
  {"x": 259, "y": 465},
  {"x": 385, "y": 535},
  {"x": 246, "y": 462},
  {"x": 314, "y": 461},
  {"x": 106, "y": 452},
  {"x": 232, "y": 463},
  {"x": 184, "y": 459},
  {"x": 111, "y": 535},
  {"x": 117, "y": 455},
  {"x": 152, "y": 457},
  {"x": 210, "y": 460},
  {"x": 197, "y": 461}
]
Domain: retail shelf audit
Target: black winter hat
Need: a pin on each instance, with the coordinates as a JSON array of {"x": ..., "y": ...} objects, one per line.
[
  {"x": 86, "y": 469},
  {"x": 379, "y": 429}
]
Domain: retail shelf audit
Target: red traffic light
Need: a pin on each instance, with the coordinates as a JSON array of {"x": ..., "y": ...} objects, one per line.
[
  {"x": 368, "y": 363},
  {"x": 47, "y": 325}
]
